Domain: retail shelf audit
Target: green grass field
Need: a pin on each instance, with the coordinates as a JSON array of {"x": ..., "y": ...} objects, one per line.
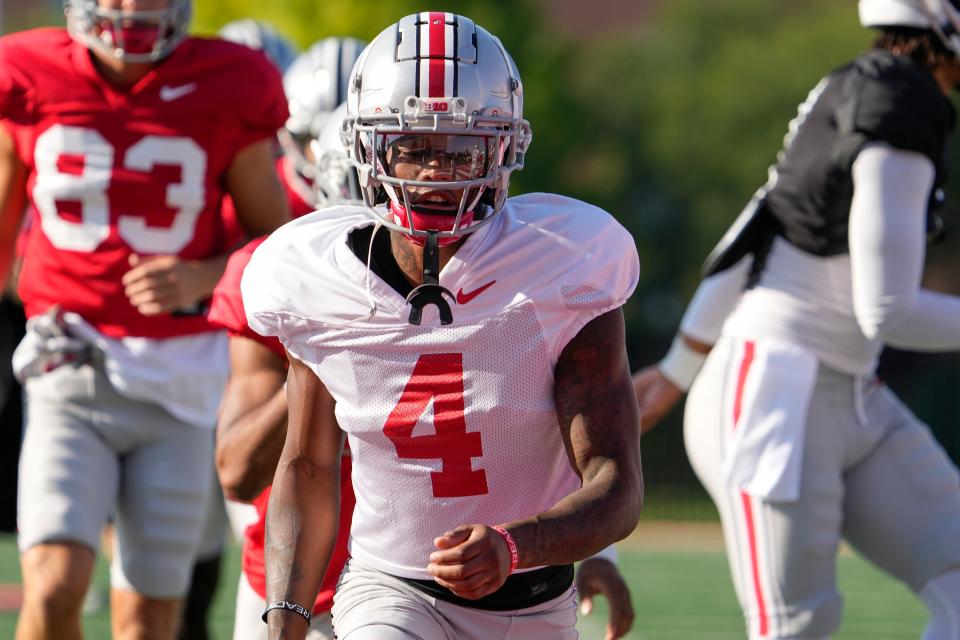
[{"x": 679, "y": 594}]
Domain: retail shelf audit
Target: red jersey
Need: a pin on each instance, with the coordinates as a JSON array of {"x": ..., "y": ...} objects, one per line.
[
  {"x": 114, "y": 171},
  {"x": 227, "y": 312},
  {"x": 297, "y": 188}
]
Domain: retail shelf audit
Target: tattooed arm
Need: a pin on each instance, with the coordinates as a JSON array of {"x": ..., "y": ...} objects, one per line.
[
  {"x": 598, "y": 417},
  {"x": 304, "y": 503}
]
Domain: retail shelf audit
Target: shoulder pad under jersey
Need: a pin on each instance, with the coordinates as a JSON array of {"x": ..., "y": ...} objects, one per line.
[{"x": 898, "y": 102}]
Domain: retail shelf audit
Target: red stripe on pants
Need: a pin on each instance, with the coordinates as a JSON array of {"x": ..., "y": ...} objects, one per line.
[
  {"x": 745, "y": 363},
  {"x": 748, "y": 348}
]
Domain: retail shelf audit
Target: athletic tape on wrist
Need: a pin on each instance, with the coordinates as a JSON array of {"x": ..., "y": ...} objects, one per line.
[
  {"x": 286, "y": 605},
  {"x": 681, "y": 364},
  {"x": 510, "y": 545}
]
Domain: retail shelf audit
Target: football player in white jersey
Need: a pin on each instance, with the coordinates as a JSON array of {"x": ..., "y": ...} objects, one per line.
[
  {"x": 493, "y": 431},
  {"x": 786, "y": 425}
]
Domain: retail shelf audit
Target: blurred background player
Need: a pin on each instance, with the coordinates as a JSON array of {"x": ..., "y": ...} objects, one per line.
[
  {"x": 265, "y": 39},
  {"x": 315, "y": 85},
  {"x": 125, "y": 149},
  {"x": 253, "y": 422},
  {"x": 253, "y": 416},
  {"x": 406, "y": 577},
  {"x": 787, "y": 426}
]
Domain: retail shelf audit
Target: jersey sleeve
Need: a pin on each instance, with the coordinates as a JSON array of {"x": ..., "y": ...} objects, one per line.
[
  {"x": 607, "y": 278},
  {"x": 16, "y": 98},
  {"x": 226, "y": 308},
  {"x": 261, "y": 105},
  {"x": 594, "y": 268},
  {"x": 273, "y": 286},
  {"x": 903, "y": 107}
]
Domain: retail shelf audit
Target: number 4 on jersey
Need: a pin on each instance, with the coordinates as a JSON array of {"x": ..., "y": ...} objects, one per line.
[{"x": 439, "y": 377}]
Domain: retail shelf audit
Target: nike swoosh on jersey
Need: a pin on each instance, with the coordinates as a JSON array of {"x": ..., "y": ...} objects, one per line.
[
  {"x": 464, "y": 298},
  {"x": 169, "y": 94}
]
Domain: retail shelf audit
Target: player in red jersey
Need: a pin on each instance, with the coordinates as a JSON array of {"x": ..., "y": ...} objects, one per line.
[
  {"x": 118, "y": 133},
  {"x": 252, "y": 422},
  {"x": 250, "y": 436}
]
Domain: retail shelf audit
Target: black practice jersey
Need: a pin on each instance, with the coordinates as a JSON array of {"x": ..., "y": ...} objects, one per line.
[{"x": 879, "y": 97}]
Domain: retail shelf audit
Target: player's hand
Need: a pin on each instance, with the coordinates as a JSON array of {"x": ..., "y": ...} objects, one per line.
[
  {"x": 472, "y": 561},
  {"x": 600, "y": 576},
  {"x": 161, "y": 284},
  {"x": 656, "y": 396}
]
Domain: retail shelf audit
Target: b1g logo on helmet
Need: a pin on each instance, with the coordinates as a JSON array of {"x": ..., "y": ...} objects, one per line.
[{"x": 436, "y": 107}]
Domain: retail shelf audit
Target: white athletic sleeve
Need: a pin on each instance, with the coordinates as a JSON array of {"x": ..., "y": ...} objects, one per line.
[
  {"x": 713, "y": 301},
  {"x": 887, "y": 237}
]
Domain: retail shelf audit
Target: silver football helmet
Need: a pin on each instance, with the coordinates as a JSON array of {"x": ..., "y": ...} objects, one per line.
[
  {"x": 131, "y": 36},
  {"x": 334, "y": 176},
  {"x": 261, "y": 36},
  {"x": 315, "y": 84},
  {"x": 435, "y": 119},
  {"x": 942, "y": 16}
]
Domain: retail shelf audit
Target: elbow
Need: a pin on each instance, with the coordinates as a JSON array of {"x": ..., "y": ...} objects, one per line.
[
  {"x": 881, "y": 323},
  {"x": 237, "y": 490},
  {"x": 871, "y": 329},
  {"x": 631, "y": 504},
  {"x": 237, "y": 479},
  {"x": 636, "y": 505},
  {"x": 881, "y": 317}
]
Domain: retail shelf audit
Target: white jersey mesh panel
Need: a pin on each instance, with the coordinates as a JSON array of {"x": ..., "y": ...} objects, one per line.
[{"x": 486, "y": 447}]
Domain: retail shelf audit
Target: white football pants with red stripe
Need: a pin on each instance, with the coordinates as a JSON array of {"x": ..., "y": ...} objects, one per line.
[{"x": 871, "y": 473}]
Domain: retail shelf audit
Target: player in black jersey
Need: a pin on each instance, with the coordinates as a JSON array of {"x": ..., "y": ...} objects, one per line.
[{"x": 797, "y": 442}]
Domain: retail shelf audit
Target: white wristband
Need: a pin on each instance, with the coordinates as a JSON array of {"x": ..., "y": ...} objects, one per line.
[
  {"x": 609, "y": 554},
  {"x": 681, "y": 364}
]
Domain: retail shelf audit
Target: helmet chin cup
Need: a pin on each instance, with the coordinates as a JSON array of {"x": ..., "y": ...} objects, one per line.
[
  {"x": 413, "y": 220},
  {"x": 430, "y": 292}
]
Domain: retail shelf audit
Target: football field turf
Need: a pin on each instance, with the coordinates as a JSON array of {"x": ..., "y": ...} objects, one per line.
[{"x": 676, "y": 571}]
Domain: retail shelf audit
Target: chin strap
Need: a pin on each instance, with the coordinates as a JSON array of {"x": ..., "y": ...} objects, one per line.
[{"x": 430, "y": 292}]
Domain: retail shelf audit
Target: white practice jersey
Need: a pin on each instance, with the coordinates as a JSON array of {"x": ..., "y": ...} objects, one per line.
[{"x": 454, "y": 424}]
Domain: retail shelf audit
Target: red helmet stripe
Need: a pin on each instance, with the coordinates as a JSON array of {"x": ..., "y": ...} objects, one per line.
[
  {"x": 438, "y": 49},
  {"x": 437, "y": 55}
]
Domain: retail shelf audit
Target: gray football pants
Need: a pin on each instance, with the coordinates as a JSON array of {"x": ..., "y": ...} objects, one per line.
[
  {"x": 89, "y": 452},
  {"x": 883, "y": 484}
]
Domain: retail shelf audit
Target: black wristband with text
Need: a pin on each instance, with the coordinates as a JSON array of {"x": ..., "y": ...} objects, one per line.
[{"x": 285, "y": 605}]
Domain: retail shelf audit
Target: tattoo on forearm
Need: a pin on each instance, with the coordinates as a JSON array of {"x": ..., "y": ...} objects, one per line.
[
  {"x": 598, "y": 421},
  {"x": 283, "y": 530}
]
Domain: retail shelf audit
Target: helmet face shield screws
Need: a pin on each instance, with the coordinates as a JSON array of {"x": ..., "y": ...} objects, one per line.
[
  {"x": 132, "y": 36},
  {"x": 435, "y": 122}
]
